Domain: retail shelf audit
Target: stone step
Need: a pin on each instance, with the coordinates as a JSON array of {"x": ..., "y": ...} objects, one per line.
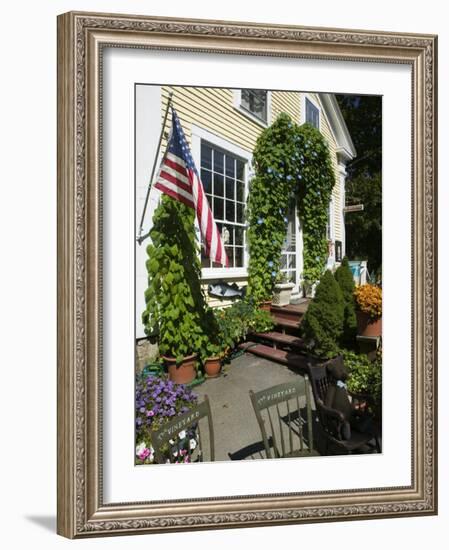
[
  {"x": 293, "y": 360},
  {"x": 286, "y": 323},
  {"x": 279, "y": 340}
]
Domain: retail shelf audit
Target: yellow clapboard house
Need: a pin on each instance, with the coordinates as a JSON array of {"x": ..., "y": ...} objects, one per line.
[{"x": 222, "y": 126}]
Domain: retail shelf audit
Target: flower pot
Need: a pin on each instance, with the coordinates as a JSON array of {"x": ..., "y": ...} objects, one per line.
[
  {"x": 183, "y": 372},
  {"x": 265, "y": 305},
  {"x": 366, "y": 326},
  {"x": 212, "y": 367},
  {"x": 282, "y": 293}
]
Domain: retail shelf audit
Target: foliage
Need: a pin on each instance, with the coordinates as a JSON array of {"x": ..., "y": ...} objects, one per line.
[
  {"x": 313, "y": 198},
  {"x": 291, "y": 163},
  {"x": 175, "y": 304},
  {"x": 365, "y": 376},
  {"x": 158, "y": 400},
  {"x": 363, "y": 116},
  {"x": 322, "y": 326},
  {"x": 243, "y": 317},
  {"x": 369, "y": 300},
  {"x": 343, "y": 276}
]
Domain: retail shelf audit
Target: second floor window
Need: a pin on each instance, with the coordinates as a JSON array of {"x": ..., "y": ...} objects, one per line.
[
  {"x": 255, "y": 101},
  {"x": 312, "y": 114}
]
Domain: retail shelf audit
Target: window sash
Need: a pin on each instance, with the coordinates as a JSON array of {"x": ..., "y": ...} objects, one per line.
[
  {"x": 312, "y": 114},
  {"x": 223, "y": 177},
  {"x": 255, "y": 101}
]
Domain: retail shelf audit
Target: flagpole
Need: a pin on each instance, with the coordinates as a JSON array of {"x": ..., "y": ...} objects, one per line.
[{"x": 140, "y": 238}]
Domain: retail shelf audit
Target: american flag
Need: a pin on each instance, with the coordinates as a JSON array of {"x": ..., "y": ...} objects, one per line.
[{"x": 178, "y": 178}]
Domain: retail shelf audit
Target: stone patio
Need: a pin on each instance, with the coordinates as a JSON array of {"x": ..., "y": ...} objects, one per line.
[{"x": 237, "y": 434}]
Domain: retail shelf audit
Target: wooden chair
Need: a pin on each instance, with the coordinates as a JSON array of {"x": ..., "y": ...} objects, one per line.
[
  {"x": 332, "y": 421},
  {"x": 278, "y": 414},
  {"x": 183, "y": 440}
]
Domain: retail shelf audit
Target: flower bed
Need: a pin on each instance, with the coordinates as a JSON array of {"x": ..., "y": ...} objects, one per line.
[{"x": 159, "y": 400}]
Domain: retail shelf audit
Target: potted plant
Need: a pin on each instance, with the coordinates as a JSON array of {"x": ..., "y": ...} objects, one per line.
[
  {"x": 282, "y": 290},
  {"x": 176, "y": 311},
  {"x": 212, "y": 361},
  {"x": 158, "y": 400},
  {"x": 369, "y": 310}
]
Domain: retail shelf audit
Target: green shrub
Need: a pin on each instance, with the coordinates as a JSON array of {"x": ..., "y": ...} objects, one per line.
[
  {"x": 365, "y": 376},
  {"x": 343, "y": 276},
  {"x": 240, "y": 319},
  {"x": 322, "y": 326},
  {"x": 175, "y": 305}
]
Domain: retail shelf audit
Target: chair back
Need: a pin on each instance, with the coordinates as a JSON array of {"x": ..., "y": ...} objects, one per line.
[
  {"x": 320, "y": 379},
  {"x": 185, "y": 439},
  {"x": 278, "y": 413}
]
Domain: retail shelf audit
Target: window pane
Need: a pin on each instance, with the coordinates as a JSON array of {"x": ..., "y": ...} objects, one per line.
[
  {"x": 230, "y": 189},
  {"x": 312, "y": 114},
  {"x": 218, "y": 185},
  {"x": 218, "y": 161},
  {"x": 207, "y": 181},
  {"x": 239, "y": 235},
  {"x": 238, "y": 256},
  {"x": 255, "y": 101},
  {"x": 240, "y": 191},
  {"x": 230, "y": 166},
  {"x": 218, "y": 208},
  {"x": 240, "y": 170},
  {"x": 240, "y": 213},
  {"x": 206, "y": 156},
  {"x": 227, "y": 235},
  {"x": 230, "y": 211},
  {"x": 230, "y": 254}
]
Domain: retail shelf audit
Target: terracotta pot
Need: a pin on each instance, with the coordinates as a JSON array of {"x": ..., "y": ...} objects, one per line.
[
  {"x": 367, "y": 326},
  {"x": 181, "y": 373},
  {"x": 212, "y": 367},
  {"x": 266, "y": 305}
]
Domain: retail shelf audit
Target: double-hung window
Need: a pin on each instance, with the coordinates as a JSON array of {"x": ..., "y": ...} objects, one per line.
[
  {"x": 223, "y": 176},
  {"x": 312, "y": 114},
  {"x": 256, "y": 102}
]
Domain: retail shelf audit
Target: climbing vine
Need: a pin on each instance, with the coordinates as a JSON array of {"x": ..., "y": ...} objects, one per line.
[
  {"x": 291, "y": 163},
  {"x": 176, "y": 309}
]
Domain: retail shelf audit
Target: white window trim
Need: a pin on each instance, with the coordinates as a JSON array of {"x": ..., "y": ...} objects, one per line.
[
  {"x": 303, "y": 108},
  {"x": 237, "y": 103},
  {"x": 199, "y": 134}
]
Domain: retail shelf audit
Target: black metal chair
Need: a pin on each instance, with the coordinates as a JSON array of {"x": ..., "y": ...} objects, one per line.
[
  {"x": 182, "y": 439},
  {"x": 278, "y": 414},
  {"x": 332, "y": 421}
]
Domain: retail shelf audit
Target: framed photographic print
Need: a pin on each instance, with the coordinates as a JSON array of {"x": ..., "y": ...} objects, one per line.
[{"x": 246, "y": 274}]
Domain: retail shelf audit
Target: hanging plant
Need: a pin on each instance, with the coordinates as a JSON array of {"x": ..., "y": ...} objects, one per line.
[{"x": 291, "y": 163}]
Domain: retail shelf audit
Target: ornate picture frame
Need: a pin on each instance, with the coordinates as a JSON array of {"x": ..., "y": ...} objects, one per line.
[{"x": 82, "y": 38}]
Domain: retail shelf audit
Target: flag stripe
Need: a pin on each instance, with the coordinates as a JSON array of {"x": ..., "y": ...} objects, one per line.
[{"x": 172, "y": 193}]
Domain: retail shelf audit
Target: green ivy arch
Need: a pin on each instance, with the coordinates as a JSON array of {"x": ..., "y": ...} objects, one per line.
[{"x": 292, "y": 163}]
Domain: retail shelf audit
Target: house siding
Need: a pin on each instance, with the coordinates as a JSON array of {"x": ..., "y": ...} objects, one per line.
[{"x": 213, "y": 109}]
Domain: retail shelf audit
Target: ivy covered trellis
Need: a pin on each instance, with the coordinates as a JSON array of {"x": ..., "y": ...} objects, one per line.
[{"x": 292, "y": 163}]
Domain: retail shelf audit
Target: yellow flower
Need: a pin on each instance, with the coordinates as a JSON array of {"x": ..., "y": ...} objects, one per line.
[{"x": 369, "y": 300}]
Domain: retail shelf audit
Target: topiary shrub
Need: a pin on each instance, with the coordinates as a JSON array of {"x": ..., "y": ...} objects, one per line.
[
  {"x": 343, "y": 276},
  {"x": 322, "y": 326},
  {"x": 175, "y": 305}
]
